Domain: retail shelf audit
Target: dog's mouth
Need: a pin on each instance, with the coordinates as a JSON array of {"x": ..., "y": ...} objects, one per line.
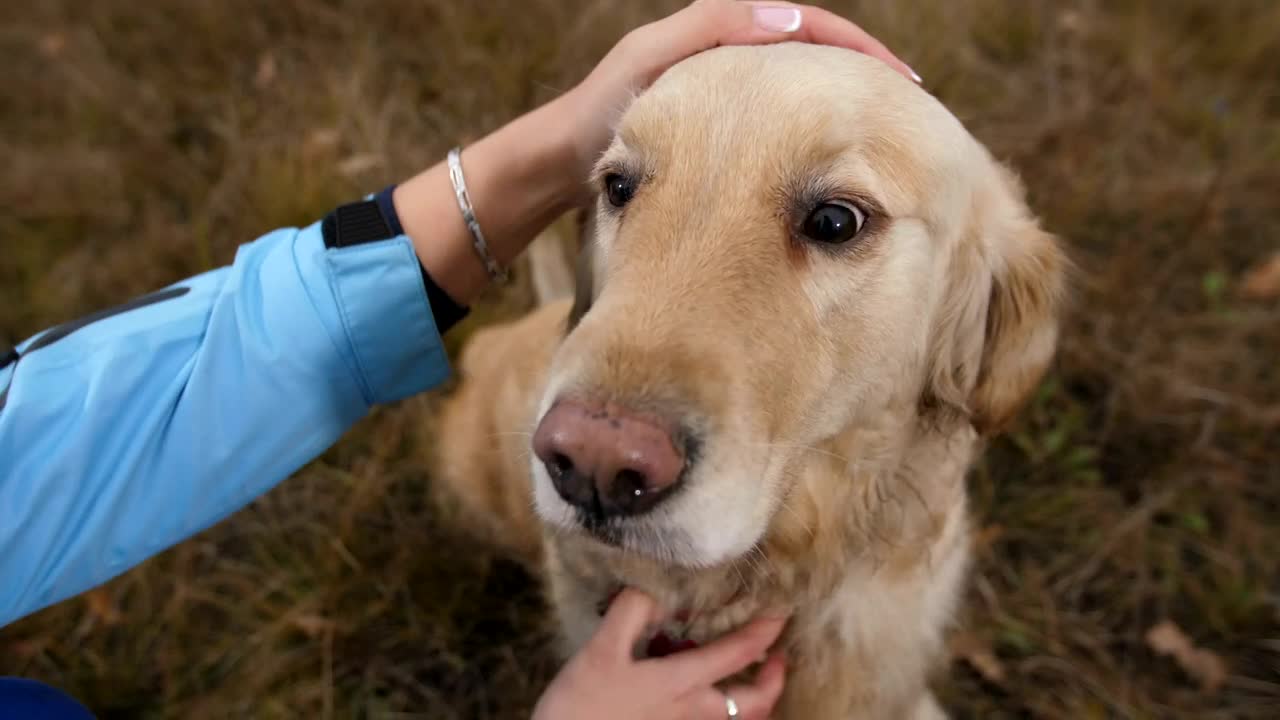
[
  {"x": 603, "y": 530},
  {"x": 638, "y": 537},
  {"x": 631, "y": 535},
  {"x": 678, "y": 535}
]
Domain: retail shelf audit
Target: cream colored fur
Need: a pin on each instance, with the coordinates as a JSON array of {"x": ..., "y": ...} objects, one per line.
[{"x": 841, "y": 393}]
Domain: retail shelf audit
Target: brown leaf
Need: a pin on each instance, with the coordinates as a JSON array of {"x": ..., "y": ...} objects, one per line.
[
  {"x": 1071, "y": 21},
  {"x": 312, "y": 625},
  {"x": 1206, "y": 666},
  {"x": 988, "y": 536},
  {"x": 266, "y": 71},
  {"x": 27, "y": 649},
  {"x": 322, "y": 139},
  {"x": 359, "y": 163},
  {"x": 1262, "y": 281},
  {"x": 979, "y": 655},
  {"x": 102, "y": 607},
  {"x": 52, "y": 44}
]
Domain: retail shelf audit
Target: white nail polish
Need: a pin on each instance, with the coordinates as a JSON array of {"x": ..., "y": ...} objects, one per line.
[{"x": 777, "y": 19}]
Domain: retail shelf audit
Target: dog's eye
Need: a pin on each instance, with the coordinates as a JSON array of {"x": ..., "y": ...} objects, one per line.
[
  {"x": 619, "y": 189},
  {"x": 833, "y": 223}
]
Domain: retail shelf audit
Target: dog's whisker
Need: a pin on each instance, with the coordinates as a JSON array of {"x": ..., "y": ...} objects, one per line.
[
  {"x": 784, "y": 503},
  {"x": 806, "y": 448},
  {"x": 757, "y": 559},
  {"x": 737, "y": 569},
  {"x": 767, "y": 560},
  {"x": 812, "y": 531}
]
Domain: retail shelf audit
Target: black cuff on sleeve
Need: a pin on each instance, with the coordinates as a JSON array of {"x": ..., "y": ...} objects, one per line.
[
  {"x": 377, "y": 219},
  {"x": 388, "y": 209},
  {"x": 447, "y": 312}
]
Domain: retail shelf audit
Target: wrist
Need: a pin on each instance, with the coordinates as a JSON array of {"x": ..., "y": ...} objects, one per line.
[
  {"x": 520, "y": 178},
  {"x": 528, "y": 170}
]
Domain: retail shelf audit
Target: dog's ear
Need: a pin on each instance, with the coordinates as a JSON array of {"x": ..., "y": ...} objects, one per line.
[
  {"x": 999, "y": 330},
  {"x": 1022, "y": 326},
  {"x": 584, "y": 285}
]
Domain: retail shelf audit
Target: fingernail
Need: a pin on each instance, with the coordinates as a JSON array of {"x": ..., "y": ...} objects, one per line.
[
  {"x": 777, "y": 19},
  {"x": 915, "y": 76}
]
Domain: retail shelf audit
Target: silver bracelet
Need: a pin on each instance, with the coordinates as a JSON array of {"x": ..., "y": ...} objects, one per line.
[{"x": 496, "y": 272}]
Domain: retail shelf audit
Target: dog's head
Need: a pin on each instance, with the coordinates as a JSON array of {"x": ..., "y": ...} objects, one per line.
[{"x": 789, "y": 241}]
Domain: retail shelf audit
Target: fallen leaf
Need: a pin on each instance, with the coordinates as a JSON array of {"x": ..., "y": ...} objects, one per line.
[
  {"x": 102, "y": 607},
  {"x": 979, "y": 655},
  {"x": 27, "y": 649},
  {"x": 1262, "y": 281},
  {"x": 266, "y": 71},
  {"x": 988, "y": 536},
  {"x": 1206, "y": 666},
  {"x": 359, "y": 163},
  {"x": 52, "y": 44},
  {"x": 1071, "y": 21},
  {"x": 322, "y": 139},
  {"x": 312, "y": 625}
]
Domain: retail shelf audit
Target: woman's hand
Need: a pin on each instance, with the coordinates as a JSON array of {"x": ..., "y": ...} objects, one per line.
[
  {"x": 604, "y": 681},
  {"x": 532, "y": 170},
  {"x": 648, "y": 51}
]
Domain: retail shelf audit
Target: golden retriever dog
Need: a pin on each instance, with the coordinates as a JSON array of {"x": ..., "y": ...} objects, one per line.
[{"x": 810, "y": 296}]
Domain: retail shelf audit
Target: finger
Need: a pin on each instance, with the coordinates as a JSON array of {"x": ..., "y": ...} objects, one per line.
[
  {"x": 823, "y": 27},
  {"x": 699, "y": 26},
  {"x": 756, "y": 701},
  {"x": 715, "y": 661},
  {"x": 708, "y": 704},
  {"x": 631, "y": 612},
  {"x": 704, "y": 25},
  {"x": 826, "y": 28}
]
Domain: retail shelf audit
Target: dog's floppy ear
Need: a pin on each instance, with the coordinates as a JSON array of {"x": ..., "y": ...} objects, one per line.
[
  {"x": 999, "y": 331},
  {"x": 1022, "y": 326},
  {"x": 584, "y": 285}
]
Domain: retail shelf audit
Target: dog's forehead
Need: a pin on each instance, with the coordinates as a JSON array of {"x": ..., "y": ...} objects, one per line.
[{"x": 756, "y": 111}]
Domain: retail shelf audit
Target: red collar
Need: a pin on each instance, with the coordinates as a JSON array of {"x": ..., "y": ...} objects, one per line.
[{"x": 662, "y": 645}]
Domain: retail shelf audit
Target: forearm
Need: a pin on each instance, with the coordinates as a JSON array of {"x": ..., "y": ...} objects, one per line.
[
  {"x": 520, "y": 178},
  {"x": 133, "y": 432}
]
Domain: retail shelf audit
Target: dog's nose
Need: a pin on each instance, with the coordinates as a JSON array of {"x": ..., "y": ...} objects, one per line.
[{"x": 605, "y": 460}]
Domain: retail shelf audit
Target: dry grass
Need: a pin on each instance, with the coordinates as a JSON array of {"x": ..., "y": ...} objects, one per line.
[{"x": 143, "y": 141}]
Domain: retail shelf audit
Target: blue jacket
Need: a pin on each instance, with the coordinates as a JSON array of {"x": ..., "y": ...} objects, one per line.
[{"x": 124, "y": 433}]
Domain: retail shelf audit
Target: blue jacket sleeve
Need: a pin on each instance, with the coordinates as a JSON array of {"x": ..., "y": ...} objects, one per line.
[{"x": 137, "y": 429}]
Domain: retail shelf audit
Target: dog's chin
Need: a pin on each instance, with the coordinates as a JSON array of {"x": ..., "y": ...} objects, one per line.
[{"x": 639, "y": 539}]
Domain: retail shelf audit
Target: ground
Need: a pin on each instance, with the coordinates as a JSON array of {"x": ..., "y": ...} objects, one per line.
[{"x": 144, "y": 141}]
